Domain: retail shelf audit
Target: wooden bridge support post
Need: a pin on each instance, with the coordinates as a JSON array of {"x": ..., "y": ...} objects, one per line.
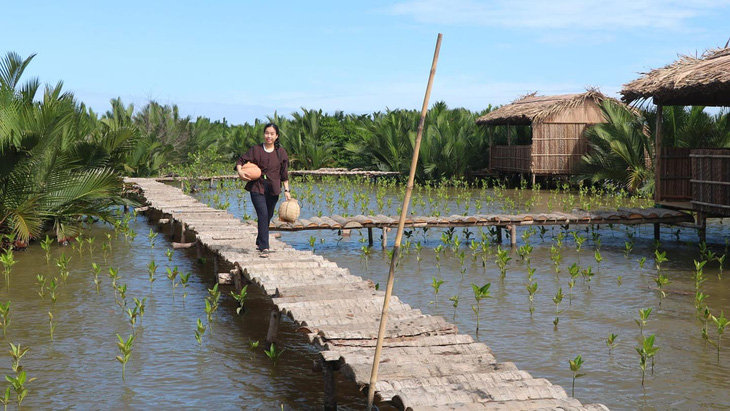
[
  {"x": 273, "y": 326},
  {"x": 513, "y": 235},
  {"x": 701, "y": 226},
  {"x": 657, "y": 231},
  {"x": 215, "y": 263},
  {"x": 370, "y": 236},
  {"x": 499, "y": 235},
  {"x": 182, "y": 232},
  {"x": 172, "y": 228},
  {"x": 330, "y": 384},
  {"x": 385, "y": 237},
  {"x": 198, "y": 249}
]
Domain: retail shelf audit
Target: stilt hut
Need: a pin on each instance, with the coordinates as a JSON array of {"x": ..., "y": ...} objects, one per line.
[
  {"x": 558, "y": 133},
  {"x": 695, "y": 179}
]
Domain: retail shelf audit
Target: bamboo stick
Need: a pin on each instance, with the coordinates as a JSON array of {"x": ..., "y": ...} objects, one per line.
[{"x": 401, "y": 225}]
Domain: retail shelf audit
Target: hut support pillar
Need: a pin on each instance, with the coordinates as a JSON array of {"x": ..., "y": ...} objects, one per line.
[
  {"x": 658, "y": 155},
  {"x": 385, "y": 237},
  {"x": 370, "y": 236},
  {"x": 212, "y": 182},
  {"x": 273, "y": 327},
  {"x": 701, "y": 226},
  {"x": 513, "y": 235},
  {"x": 499, "y": 235},
  {"x": 330, "y": 384},
  {"x": 657, "y": 231},
  {"x": 182, "y": 232},
  {"x": 215, "y": 263},
  {"x": 532, "y": 176},
  {"x": 198, "y": 249}
]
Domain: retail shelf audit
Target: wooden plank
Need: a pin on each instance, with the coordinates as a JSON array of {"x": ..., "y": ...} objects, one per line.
[
  {"x": 368, "y": 329},
  {"x": 567, "y": 404},
  {"x": 360, "y": 373}
]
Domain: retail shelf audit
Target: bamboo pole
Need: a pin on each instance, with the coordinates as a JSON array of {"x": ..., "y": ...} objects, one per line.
[
  {"x": 658, "y": 155},
  {"x": 399, "y": 234}
]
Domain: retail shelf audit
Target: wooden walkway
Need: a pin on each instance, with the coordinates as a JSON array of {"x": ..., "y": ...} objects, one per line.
[{"x": 425, "y": 364}]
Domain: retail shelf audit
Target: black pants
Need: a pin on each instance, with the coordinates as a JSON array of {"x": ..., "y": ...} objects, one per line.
[{"x": 264, "y": 204}]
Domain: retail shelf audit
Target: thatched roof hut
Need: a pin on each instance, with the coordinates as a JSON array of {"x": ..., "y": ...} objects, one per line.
[
  {"x": 558, "y": 127},
  {"x": 532, "y": 109},
  {"x": 689, "y": 81},
  {"x": 701, "y": 176}
]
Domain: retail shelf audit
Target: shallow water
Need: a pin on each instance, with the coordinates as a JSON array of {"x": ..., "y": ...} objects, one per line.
[
  {"x": 167, "y": 368},
  {"x": 687, "y": 373}
]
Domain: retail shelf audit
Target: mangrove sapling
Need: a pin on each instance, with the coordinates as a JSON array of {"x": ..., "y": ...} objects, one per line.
[
  {"x": 597, "y": 255},
  {"x": 96, "y": 270},
  {"x": 661, "y": 280},
  {"x": 587, "y": 276},
  {"x": 105, "y": 249},
  {"x": 642, "y": 261},
  {"x": 579, "y": 240},
  {"x": 618, "y": 280},
  {"x": 46, "y": 246},
  {"x": 455, "y": 303},
  {"x": 139, "y": 305},
  {"x": 151, "y": 269},
  {"x": 312, "y": 241},
  {"x": 122, "y": 290},
  {"x": 273, "y": 353},
  {"x": 169, "y": 253},
  {"x": 185, "y": 281},
  {"x": 125, "y": 349},
  {"x": 502, "y": 260},
  {"x": 8, "y": 261},
  {"x": 699, "y": 299},
  {"x": 628, "y": 246},
  {"x": 18, "y": 384},
  {"x": 240, "y": 298},
  {"x": 574, "y": 271},
  {"x": 644, "y": 314},
  {"x": 41, "y": 285},
  {"x": 646, "y": 351},
  {"x": 51, "y": 325},
  {"x": 720, "y": 322},
  {"x": 659, "y": 259},
  {"x": 575, "y": 365},
  {"x": 90, "y": 244},
  {"x": 556, "y": 256},
  {"x": 199, "y": 331},
  {"x": 721, "y": 261},
  {"x": 611, "y": 342},
  {"x": 531, "y": 290},
  {"x": 5, "y": 315},
  {"x": 705, "y": 316},
  {"x": 62, "y": 264},
  {"x": 480, "y": 293},
  {"x": 436, "y": 285},
  {"x": 557, "y": 300},
  {"x": 171, "y": 275},
  {"x": 699, "y": 274}
]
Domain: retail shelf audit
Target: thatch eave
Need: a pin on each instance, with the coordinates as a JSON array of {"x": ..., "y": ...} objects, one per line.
[
  {"x": 533, "y": 108},
  {"x": 689, "y": 81}
]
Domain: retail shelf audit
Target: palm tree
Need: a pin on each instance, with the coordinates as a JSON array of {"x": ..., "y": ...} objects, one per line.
[{"x": 620, "y": 150}]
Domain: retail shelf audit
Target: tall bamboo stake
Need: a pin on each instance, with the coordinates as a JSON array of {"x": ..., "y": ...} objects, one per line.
[{"x": 401, "y": 225}]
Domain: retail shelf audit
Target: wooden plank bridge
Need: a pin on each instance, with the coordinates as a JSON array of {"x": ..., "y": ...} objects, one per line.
[
  {"x": 628, "y": 216},
  {"x": 425, "y": 364}
]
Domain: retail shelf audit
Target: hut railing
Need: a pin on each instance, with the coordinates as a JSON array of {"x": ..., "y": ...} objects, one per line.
[
  {"x": 711, "y": 181},
  {"x": 511, "y": 158},
  {"x": 676, "y": 173}
]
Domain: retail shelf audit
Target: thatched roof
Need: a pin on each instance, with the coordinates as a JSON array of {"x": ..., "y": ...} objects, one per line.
[
  {"x": 533, "y": 108},
  {"x": 688, "y": 81}
]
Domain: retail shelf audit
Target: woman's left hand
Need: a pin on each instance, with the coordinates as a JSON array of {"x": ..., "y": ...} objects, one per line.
[{"x": 287, "y": 195}]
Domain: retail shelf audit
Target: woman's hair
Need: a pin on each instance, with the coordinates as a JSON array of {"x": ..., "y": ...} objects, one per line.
[{"x": 277, "y": 144}]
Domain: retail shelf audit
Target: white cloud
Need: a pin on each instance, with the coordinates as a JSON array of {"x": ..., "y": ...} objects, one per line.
[{"x": 560, "y": 14}]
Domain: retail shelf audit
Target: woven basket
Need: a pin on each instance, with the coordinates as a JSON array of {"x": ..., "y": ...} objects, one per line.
[{"x": 289, "y": 211}]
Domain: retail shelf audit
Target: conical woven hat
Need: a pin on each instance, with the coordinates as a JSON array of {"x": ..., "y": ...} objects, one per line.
[{"x": 289, "y": 211}]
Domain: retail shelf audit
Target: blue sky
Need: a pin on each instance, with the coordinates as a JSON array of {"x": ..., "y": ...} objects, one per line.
[{"x": 243, "y": 60}]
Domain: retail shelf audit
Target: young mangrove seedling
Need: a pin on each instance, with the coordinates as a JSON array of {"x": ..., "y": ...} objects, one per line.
[
  {"x": 185, "y": 281},
  {"x": 579, "y": 240},
  {"x": 699, "y": 274},
  {"x": 5, "y": 315},
  {"x": 556, "y": 256},
  {"x": 502, "y": 260},
  {"x": 96, "y": 270},
  {"x": 18, "y": 384},
  {"x": 644, "y": 314},
  {"x": 597, "y": 255},
  {"x": 455, "y": 303},
  {"x": 105, "y": 249},
  {"x": 169, "y": 254},
  {"x": 587, "y": 276},
  {"x": 699, "y": 299},
  {"x": 531, "y": 291},
  {"x": 240, "y": 298},
  {"x": 628, "y": 246},
  {"x": 51, "y": 325},
  {"x": 273, "y": 353},
  {"x": 436, "y": 285},
  {"x": 114, "y": 275},
  {"x": 199, "y": 331},
  {"x": 122, "y": 290},
  {"x": 619, "y": 280},
  {"x": 575, "y": 365},
  {"x": 152, "y": 236},
  {"x": 151, "y": 269},
  {"x": 646, "y": 351},
  {"x": 720, "y": 322},
  {"x": 480, "y": 293},
  {"x": 125, "y": 349},
  {"x": 642, "y": 261},
  {"x": 611, "y": 342},
  {"x": 574, "y": 271},
  {"x": 46, "y": 246},
  {"x": 62, "y": 264},
  {"x": 312, "y": 241},
  {"x": 8, "y": 260},
  {"x": 52, "y": 289},
  {"x": 41, "y": 282},
  {"x": 661, "y": 280},
  {"x": 557, "y": 300},
  {"x": 171, "y": 275},
  {"x": 139, "y": 305},
  {"x": 659, "y": 259}
]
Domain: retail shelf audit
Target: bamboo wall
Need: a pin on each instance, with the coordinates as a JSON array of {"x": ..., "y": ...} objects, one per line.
[
  {"x": 511, "y": 158},
  {"x": 557, "y": 148},
  {"x": 711, "y": 181},
  {"x": 676, "y": 173}
]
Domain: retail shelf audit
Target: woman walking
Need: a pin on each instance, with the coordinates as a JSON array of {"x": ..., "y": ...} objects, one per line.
[{"x": 274, "y": 164}]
